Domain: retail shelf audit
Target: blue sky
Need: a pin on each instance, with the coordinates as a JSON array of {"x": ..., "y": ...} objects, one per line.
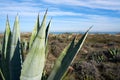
[{"x": 68, "y": 15}]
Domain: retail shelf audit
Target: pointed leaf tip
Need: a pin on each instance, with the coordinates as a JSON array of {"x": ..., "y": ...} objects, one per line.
[
  {"x": 7, "y": 18},
  {"x": 50, "y": 19},
  {"x": 89, "y": 28},
  {"x": 46, "y": 11},
  {"x": 47, "y": 29},
  {"x": 34, "y": 32}
]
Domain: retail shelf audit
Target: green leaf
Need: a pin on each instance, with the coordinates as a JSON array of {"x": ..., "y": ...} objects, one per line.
[
  {"x": 46, "y": 37},
  {"x": 6, "y": 39},
  {"x": 15, "y": 52},
  {"x": 34, "y": 32},
  {"x": 58, "y": 63},
  {"x": 1, "y": 75},
  {"x": 65, "y": 59},
  {"x": 4, "y": 64},
  {"x": 34, "y": 63},
  {"x": 47, "y": 31}
]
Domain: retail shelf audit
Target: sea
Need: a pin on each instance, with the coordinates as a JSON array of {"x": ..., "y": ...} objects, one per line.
[{"x": 112, "y": 33}]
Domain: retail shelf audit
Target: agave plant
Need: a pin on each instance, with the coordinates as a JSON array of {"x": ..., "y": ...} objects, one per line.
[
  {"x": 114, "y": 54},
  {"x": 4, "y": 62},
  {"x": 12, "y": 66},
  {"x": 35, "y": 31},
  {"x": 98, "y": 57}
]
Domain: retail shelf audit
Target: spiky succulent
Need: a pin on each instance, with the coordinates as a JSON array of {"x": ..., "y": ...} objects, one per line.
[{"x": 12, "y": 66}]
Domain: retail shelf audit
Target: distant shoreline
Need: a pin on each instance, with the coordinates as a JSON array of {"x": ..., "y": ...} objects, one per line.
[{"x": 112, "y": 33}]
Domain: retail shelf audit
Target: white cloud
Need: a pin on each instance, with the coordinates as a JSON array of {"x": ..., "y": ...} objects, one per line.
[
  {"x": 75, "y": 20},
  {"x": 101, "y": 23},
  {"x": 24, "y": 8},
  {"x": 32, "y": 8},
  {"x": 100, "y": 4}
]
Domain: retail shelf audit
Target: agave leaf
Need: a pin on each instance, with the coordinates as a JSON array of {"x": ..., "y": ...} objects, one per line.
[
  {"x": 5, "y": 51},
  {"x": 46, "y": 37},
  {"x": 33, "y": 65},
  {"x": 46, "y": 49},
  {"x": 15, "y": 37},
  {"x": 6, "y": 38},
  {"x": 79, "y": 44},
  {"x": 64, "y": 62},
  {"x": 34, "y": 32},
  {"x": 15, "y": 52},
  {"x": 1, "y": 75},
  {"x": 58, "y": 63},
  {"x": 47, "y": 31},
  {"x": 22, "y": 51}
]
